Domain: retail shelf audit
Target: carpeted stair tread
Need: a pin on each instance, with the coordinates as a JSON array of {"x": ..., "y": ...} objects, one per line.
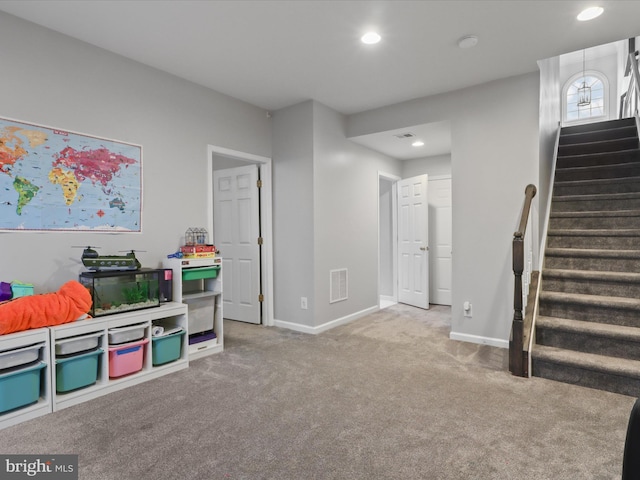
[
  {"x": 592, "y": 253},
  {"x": 599, "y": 154},
  {"x": 597, "y": 135},
  {"x": 588, "y": 128},
  {"x": 589, "y": 328},
  {"x": 596, "y": 213},
  {"x": 621, "y": 303},
  {"x": 628, "y": 277},
  {"x": 596, "y": 181},
  {"x": 594, "y": 232},
  {"x": 601, "y": 363},
  {"x": 597, "y": 197}
]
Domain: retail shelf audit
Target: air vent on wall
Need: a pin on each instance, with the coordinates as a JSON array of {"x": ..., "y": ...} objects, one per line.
[
  {"x": 404, "y": 135},
  {"x": 338, "y": 285}
]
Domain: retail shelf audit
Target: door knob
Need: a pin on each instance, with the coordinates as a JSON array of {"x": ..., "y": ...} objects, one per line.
[{"x": 424, "y": 248}]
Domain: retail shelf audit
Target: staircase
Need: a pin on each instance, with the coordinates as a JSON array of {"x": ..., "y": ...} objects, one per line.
[{"x": 588, "y": 325}]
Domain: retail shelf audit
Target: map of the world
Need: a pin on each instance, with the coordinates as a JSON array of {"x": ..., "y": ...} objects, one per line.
[{"x": 57, "y": 180}]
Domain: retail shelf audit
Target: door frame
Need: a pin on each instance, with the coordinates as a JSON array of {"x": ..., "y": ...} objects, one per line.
[
  {"x": 266, "y": 265},
  {"x": 393, "y": 179}
]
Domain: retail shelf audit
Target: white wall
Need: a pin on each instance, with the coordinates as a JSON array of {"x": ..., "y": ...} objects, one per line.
[
  {"x": 439, "y": 165},
  {"x": 494, "y": 156},
  {"x": 325, "y": 198},
  {"x": 53, "y": 80},
  {"x": 386, "y": 237},
  {"x": 293, "y": 213},
  {"x": 346, "y": 215},
  {"x": 550, "y": 117}
]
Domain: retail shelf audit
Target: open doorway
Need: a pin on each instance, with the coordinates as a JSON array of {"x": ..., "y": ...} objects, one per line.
[
  {"x": 221, "y": 159},
  {"x": 440, "y": 238},
  {"x": 387, "y": 240}
]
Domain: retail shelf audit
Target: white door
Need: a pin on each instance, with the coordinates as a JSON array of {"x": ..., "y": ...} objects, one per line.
[
  {"x": 236, "y": 227},
  {"x": 440, "y": 240},
  {"x": 413, "y": 237}
]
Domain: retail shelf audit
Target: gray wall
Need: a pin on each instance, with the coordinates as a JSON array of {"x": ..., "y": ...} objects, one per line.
[
  {"x": 53, "y": 80},
  {"x": 346, "y": 215},
  {"x": 494, "y": 138},
  {"x": 550, "y": 117},
  {"x": 439, "y": 165},
  {"x": 386, "y": 237},
  {"x": 325, "y": 215},
  {"x": 293, "y": 213}
]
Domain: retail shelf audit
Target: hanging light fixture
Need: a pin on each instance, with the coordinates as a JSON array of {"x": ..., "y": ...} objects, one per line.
[{"x": 584, "y": 92}]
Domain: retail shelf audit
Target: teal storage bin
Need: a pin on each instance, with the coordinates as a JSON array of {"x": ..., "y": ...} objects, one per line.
[
  {"x": 77, "y": 371},
  {"x": 20, "y": 387},
  {"x": 167, "y": 348}
]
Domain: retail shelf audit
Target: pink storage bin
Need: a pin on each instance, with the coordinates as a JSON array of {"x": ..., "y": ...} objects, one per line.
[{"x": 126, "y": 358}]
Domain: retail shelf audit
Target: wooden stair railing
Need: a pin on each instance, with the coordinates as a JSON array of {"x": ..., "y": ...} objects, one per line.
[{"x": 516, "y": 342}]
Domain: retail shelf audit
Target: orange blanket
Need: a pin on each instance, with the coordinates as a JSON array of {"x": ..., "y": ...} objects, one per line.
[{"x": 70, "y": 302}]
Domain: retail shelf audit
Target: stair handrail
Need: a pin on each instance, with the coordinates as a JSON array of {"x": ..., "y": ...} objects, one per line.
[
  {"x": 632, "y": 96},
  {"x": 516, "y": 342}
]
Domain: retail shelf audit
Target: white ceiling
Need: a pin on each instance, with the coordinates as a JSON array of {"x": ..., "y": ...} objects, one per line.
[{"x": 275, "y": 53}]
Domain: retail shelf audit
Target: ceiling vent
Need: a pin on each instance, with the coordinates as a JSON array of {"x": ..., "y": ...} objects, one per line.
[{"x": 404, "y": 135}]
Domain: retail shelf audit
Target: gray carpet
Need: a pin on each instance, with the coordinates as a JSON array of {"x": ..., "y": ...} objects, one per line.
[{"x": 388, "y": 396}]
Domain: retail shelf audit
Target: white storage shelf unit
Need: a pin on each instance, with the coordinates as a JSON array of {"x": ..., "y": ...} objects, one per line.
[
  {"x": 196, "y": 284},
  {"x": 172, "y": 314},
  {"x": 43, "y": 405}
]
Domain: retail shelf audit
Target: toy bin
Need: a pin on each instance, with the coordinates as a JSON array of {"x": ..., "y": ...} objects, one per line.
[
  {"x": 78, "y": 344},
  {"x": 20, "y": 356},
  {"x": 166, "y": 348},
  {"x": 20, "y": 387},
  {"x": 77, "y": 371},
  {"x": 131, "y": 333},
  {"x": 127, "y": 358}
]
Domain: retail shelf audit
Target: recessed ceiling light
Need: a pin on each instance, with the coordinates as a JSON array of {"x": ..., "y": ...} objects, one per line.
[
  {"x": 370, "y": 38},
  {"x": 468, "y": 41},
  {"x": 417, "y": 143},
  {"x": 590, "y": 13}
]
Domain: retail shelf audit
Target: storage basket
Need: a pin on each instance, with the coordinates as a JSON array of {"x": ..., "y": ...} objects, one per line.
[
  {"x": 20, "y": 387},
  {"x": 200, "y": 273},
  {"x": 166, "y": 348},
  {"x": 20, "y": 356},
  {"x": 77, "y": 371},
  {"x": 130, "y": 333},
  {"x": 127, "y": 358},
  {"x": 81, "y": 343}
]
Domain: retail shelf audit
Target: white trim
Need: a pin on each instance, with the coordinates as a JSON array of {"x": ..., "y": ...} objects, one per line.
[
  {"x": 265, "y": 218},
  {"x": 394, "y": 233},
  {"x": 493, "y": 342},
  {"x": 298, "y": 327}
]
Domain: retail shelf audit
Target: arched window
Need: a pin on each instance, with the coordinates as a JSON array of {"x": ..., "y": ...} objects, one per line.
[{"x": 595, "y": 108}]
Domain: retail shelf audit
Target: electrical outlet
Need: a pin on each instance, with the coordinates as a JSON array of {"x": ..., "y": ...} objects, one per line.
[{"x": 303, "y": 303}]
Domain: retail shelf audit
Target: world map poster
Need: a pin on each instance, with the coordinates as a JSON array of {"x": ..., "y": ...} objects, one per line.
[{"x": 58, "y": 180}]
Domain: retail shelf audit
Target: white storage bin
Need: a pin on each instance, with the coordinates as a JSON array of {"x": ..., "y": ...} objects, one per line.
[
  {"x": 126, "y": 334},
  {"x": 20, "y": 356},
  {"x": 77, "y": 344},
  {"x": 201, "y": 314}
]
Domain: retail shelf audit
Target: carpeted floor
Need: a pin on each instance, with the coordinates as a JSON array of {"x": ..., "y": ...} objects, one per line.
[{"x": 388, "y": 396}]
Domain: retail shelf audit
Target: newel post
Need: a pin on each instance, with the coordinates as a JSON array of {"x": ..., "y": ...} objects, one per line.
[{"x": 516, "y": 363}]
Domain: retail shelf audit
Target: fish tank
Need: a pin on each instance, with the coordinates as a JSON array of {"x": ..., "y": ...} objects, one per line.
[{"x": 122, "y": 291}]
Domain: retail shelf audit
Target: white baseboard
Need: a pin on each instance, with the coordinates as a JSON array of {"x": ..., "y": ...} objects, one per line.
[
  {"x": 493, "y": 342},
  {"x": 298, "y": 327}
]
